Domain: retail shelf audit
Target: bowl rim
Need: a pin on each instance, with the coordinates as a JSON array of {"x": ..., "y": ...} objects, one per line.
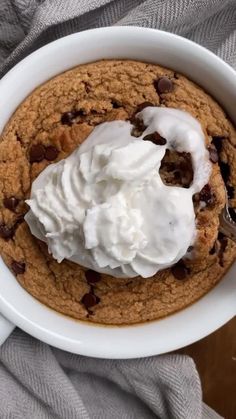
[{"x": 111, "y": 342}]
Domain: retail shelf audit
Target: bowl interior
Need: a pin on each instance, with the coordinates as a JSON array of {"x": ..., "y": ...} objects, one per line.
[{"x": 175, "y": 331}]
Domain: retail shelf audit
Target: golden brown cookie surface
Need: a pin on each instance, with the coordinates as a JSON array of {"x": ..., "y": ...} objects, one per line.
[{"x": 48, "y": 126}]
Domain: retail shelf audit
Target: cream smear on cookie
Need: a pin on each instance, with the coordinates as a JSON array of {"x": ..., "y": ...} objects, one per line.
[{"x": 106, "y": 207}]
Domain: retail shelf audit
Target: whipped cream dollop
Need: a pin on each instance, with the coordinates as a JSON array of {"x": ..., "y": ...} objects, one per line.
[{"x": 106, "y": 206}]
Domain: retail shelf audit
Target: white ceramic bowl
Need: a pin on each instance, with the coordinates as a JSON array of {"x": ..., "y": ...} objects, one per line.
[{"x": 175, "y": 331}]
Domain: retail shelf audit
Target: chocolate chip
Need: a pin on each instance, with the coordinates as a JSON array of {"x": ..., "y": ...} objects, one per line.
[
  {"x": 230, "y": 191},
  {"x": 67, "y": 118},
  {"x": 92, "y": 276},
  {"x": 87, "y": 87},
  {"x": 159, "y": 140},
  {"x": 6, "y": 232},
  {"x": 90, "y": 300},
  {"x": 217, "y": 141},
  {"x": 155, "y": 138},
  {"x": 163, "y": 85},
  {"x": 223, "y": 244},
  {"x": 142, "y": 106},
  {"x": 223, "y": 241},
  {"x": 116, "y": 103},
  {"x": 138, "y": 128},
  {"x": 221, "y": 236},
  {"x": 213, "y": 154},
  {"x": 190, "y": 249},
  {"x": 18, "y": 267},
  {"x": 206, "y": 195},
  {"x": 232, "y": 214},
  {"x": 225, "y": 171},
  {"x": 213, "y": 250},
  {"x": 11, "y": 203},
  {"x": 36, "y": 153},
  {"x": 180, "y": 271},
  {"x": 18, "y": 137},
  {"x": 51, "y": 153}
]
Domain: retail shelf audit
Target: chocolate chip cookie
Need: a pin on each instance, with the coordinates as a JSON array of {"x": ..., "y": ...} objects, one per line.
[{"x": 54, "y": 120}]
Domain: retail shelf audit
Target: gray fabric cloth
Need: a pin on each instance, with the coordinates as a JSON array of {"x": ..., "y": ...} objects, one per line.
[
  {"x": 25, "y": 25},
  {"x": 39, "y": 382}
]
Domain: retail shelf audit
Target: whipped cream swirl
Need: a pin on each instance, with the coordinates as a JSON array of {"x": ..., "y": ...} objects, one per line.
[{"x": 106, "y": 206}]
